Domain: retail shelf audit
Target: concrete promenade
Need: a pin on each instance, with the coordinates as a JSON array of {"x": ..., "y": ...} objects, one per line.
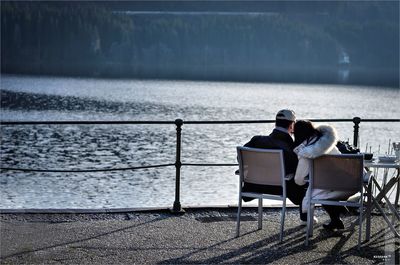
[{"x": 200, "y": 236}]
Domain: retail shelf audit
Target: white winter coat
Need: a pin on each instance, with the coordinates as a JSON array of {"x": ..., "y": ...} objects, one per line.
[{"x": 326, "y": 144}]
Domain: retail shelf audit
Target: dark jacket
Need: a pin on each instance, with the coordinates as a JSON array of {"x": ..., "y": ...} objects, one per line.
[{"x": 277, "y": 140}]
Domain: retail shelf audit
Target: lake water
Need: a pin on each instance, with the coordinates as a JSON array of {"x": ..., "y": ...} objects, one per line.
[{"x": 120, "y": 146}]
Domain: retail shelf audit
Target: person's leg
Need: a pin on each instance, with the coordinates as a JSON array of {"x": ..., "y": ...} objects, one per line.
[
  {"x": 334, "y": 213},
  {"x": 303, "y": 216},
  {"x": 296, "y": 194}
]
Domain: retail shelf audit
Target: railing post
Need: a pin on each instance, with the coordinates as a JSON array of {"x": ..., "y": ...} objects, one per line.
[
  {"x": 356, "y": 121},
  {"x": 177, "y": 208}
]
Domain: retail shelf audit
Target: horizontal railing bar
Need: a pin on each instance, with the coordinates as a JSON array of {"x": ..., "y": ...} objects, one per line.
[
  {"x": 380, "y": 120},
  {"x": 109, "y": 169},
  {"x": 205, "y": 164},
  {"x": 229, "y": 122},
  {"x": 82, "y": 122},
  {"x": 174, "y": 122},
  {"x": 81, "y": 170},
  {"x": 273, "y": 121}
]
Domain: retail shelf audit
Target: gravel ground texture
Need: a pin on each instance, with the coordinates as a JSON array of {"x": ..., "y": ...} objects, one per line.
[{"x": 199, "y": 236}]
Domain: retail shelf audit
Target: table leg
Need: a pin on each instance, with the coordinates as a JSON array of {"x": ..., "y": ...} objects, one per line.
[
  {"x": 396, "y": 201},
  {"x": 387, "y": 187},
  {"x": 382, "y": 194},
  {"x": 368, "y": 212},
  {"x": 377, "y": 205}
]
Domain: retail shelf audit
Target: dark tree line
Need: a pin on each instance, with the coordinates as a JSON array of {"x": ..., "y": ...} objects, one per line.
[{"x": 93, "y": 39}]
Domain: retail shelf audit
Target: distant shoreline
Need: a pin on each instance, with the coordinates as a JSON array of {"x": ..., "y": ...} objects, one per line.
[{"x": 363, "y": 77}]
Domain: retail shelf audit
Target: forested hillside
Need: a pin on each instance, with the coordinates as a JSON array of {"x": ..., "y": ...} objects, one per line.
[{"x": 121, "y": 39}]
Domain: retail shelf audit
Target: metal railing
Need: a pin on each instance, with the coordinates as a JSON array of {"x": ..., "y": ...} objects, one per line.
[{"x": 176, "y": 208}]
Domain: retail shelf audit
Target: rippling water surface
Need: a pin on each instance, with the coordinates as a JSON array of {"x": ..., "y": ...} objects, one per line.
[{"x": 121, "y": 146}]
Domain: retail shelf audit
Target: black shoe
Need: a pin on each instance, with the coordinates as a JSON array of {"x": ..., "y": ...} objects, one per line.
[{"x": 334, "y": 225}]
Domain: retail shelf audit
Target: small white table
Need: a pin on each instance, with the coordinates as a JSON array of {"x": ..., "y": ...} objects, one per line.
[{"x": 382, "y": 195}]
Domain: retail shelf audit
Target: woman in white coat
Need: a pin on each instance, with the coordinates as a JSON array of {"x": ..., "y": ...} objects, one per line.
[{"x": 311, "y": 142}]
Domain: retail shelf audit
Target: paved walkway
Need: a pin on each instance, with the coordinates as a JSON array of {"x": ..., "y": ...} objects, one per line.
[{"x": 201, "y": 236}]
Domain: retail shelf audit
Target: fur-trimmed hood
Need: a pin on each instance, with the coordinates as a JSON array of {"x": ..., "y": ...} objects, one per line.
[
  {"x": 323, "y": 145},
  {"x": 326, "y": 144}
]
